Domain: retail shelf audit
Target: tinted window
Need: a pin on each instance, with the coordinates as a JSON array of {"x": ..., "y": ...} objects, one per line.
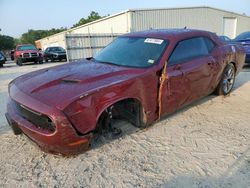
[
  {"x": 188, "y": 49},
  {"x": 209, "y": 43}
]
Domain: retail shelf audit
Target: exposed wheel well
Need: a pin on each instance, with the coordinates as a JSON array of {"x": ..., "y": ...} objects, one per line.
[{"x": 129, "y": 109}]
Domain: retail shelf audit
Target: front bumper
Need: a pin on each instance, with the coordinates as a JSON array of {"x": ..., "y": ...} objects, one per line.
[
  {"x": 29, "y": 59},
  {"x": 59, "y": 56},
  {"x": 64, "y": 140}
]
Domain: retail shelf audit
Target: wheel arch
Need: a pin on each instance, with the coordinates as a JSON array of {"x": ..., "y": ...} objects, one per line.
[{"x": 117, "y": 101}]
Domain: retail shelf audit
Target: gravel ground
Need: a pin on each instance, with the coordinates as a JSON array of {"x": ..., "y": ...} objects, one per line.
[{"x": 206, "y": 144}]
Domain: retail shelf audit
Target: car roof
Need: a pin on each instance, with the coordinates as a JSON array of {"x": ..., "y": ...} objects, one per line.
[{"x": 168, "y": 33}]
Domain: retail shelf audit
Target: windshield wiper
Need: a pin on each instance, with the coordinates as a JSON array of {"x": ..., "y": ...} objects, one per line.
[{"x": 110, "y": 63}]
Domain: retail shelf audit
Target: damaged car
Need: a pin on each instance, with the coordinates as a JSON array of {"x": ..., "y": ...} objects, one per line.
[{"x": 140, "y": 77}]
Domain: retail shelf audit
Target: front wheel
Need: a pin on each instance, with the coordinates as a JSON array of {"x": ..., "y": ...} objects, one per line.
[
  {"x": 19, "y": 62},
  {"x": 227, "y": 81}
]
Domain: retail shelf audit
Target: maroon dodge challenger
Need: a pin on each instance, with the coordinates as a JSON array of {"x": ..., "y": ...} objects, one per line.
[{"x": 139, "y": 77}]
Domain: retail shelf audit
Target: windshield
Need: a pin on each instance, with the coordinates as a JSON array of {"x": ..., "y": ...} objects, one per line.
[
  {"x": 243, "y": 36},
  {"x": 133, "y": 52},
  {"x": 27, "y": 47},
  {"x": 56, "y": 49}
]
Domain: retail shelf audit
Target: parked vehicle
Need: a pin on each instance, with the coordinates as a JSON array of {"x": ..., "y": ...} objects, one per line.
[
  {"x": 139, "y": 77},
  {"x": 27, "y": 53},
  {"x": 2, "y": 59},
  {"x": 54, "y": 53},
  {"x": 244, "y": 39}
]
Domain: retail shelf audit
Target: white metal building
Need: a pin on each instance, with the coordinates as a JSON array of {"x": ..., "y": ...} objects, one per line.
[{"x": 206, "y": 18}]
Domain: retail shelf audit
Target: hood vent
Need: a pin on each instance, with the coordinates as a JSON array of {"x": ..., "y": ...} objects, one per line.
[{"x": 70, "y": 80}]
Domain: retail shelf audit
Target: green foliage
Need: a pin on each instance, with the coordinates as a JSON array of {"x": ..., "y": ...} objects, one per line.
[
  {"x": 92, "y": 17},
  {"x": 17, "y": 41},
  {"x": 6, "y": 42},
  {"x": 32, "y": 35}
]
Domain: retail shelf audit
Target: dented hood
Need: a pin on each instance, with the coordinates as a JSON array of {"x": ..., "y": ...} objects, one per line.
[{"x": 60, "y": 85}]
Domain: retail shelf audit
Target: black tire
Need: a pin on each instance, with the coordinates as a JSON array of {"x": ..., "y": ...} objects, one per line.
[
  {"x": 16, "y": 130},
  {"x": 1, "y": 65},
  {"x": 52, "y": 59},
  {"x": 46, "y": 60},
  {"x": 41, "y": 62},
  {"x": 19, "y": 62},
  {"x": 227, "y": 81}
]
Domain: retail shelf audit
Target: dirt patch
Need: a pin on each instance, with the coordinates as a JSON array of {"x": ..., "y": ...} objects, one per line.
[{"x": 206, "y": 144}]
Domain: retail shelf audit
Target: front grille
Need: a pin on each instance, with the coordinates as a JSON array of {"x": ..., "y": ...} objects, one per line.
[
  {"x": 33, "y": 54},
  {"x": 39, "y": 120},
  {"x": 26, "y": 54}
]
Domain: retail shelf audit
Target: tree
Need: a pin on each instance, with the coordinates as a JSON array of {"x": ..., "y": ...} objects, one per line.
[
  {"x": 92, "y": 17},
  {"x": 32, "y": 35},
  {"x": 6, "y": 42}
]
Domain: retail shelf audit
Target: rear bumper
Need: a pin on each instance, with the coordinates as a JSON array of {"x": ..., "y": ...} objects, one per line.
[{"x": 64, "y": 140}]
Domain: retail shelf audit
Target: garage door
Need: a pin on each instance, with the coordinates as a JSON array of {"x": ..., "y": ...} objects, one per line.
[{"x": 229, "y": 27}]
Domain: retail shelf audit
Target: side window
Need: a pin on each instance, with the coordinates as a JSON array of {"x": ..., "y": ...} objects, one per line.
[
  {"x": 209, "y": 43},
  {"x": 188, "y": 49}
]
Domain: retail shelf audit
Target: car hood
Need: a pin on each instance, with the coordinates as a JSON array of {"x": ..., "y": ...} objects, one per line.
[{"x": 61, "y": 85}]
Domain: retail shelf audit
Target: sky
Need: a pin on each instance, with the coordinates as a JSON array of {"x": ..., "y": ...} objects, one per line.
[{"x": 18, "y": 16}]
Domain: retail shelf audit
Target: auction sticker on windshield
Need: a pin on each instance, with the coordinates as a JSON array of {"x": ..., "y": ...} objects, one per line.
[
  {"x": 153, "y": 41},
  {"x": 151, "y": 61}
]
